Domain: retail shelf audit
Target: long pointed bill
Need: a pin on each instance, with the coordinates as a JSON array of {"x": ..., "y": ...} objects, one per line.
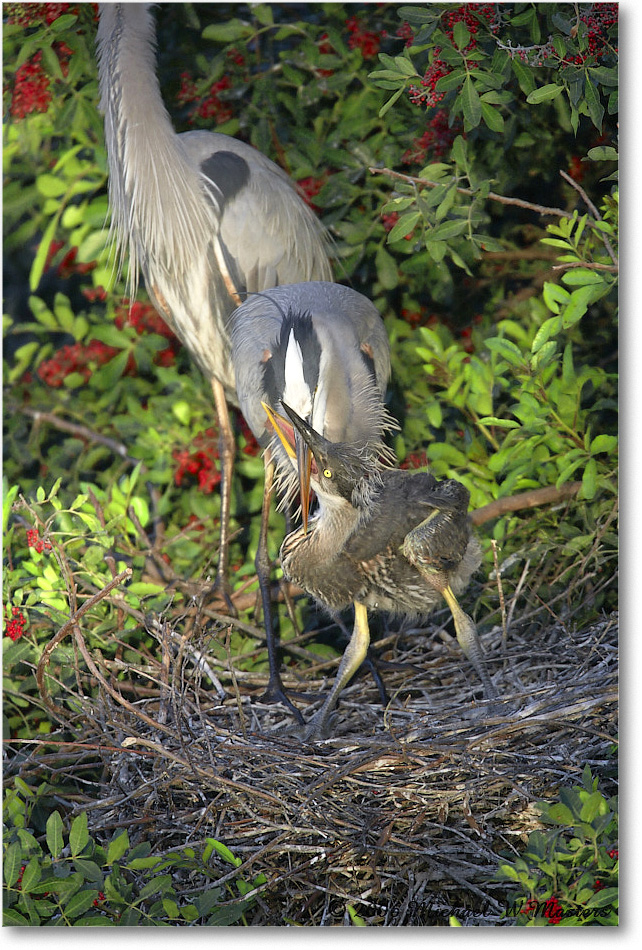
[{"x": 299, "y": 452}]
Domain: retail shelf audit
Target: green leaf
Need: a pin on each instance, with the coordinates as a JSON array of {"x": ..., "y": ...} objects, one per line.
[
  {"x": 581, "y": 276},
  {"x": 447, "y": 230},
  {"x": 31, "y": 875},
  {"x": 492, "y": 117},
  {"x": 577, "y": 306},
  {"x": 89, "y": 870},
  {"x": 603, "y": 153},
  {"x": 50, "y": 186},
  {"x": 544, "y": 355},
  {"x": 505, "y": 348},
  {"x": 40, "y": 259},
  {"x": 207, "y": 900},
  {"x": 120, "y": 844},
  {"x": 390, "y": 102},
  {"x": 224, "y": 852},
  {"x": 404, "y": 226},
  {"x": 459, "y": 152},
  {"x": 8, "y": 498},
  {"x": 80, "y": 902},
  {"x": 544, "y": 93},
  {"x": 12, "y": 863},
  {"x": 524, "y": 76},
  {"x": 78, "y": 835},
  {"x": 387, "y": 268},
  {"x": 549, "y": 328},
  {"x": 54, "y": 834},
  {"x": 554, "y": 295},
  {"x": 595, "y": 107},
  {"x": 11, "y": 918},
  {"x": 405, "y": 66},
  {"x": 471, "y": 102},
  {"x": 603, "y": 443},
  {"x": 501, "y": 423},
  {"x": 589, "y": 480},
  {"x": 604, "y": 898},
  {"x": 263, "y": 13},
  {"x": 229, "y": 32},
  {"x": 592, "y": 806},
  {"x": 461, "y": 36},
  {"x": 160, "y": 884}
]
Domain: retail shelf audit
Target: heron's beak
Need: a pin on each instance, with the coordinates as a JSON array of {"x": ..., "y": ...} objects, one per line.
[{"x": 298, "y": 450}]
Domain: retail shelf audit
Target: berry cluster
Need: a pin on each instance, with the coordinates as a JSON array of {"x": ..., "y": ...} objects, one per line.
[
  {"x": 34, "y": 14},
  {"x": 145, "y": 319},
  {"x": 552, "y": 909},
  {"x": 366, "y": 40},
  {"x": 470, "y": 14},
  {"x": 35, "y": 541},
  {"x": 84, "y": 358},
  {"x": 31, "y": 92},
  {"x": 211, "y": 105},
  {"x": 251, "y": 447},
  {"x": 75, "y": 358},
  {"x": 326, "y": 49},
  {"x": 32, "y": 87},
  {"x": 200, "y": 462},
  {"x": 598, "y": 19},
  {"x": 15, "y": 622},
  {"x": 406, "y": 32},
  {"x": 435, "y": 141},
  {"x": 415, "y": 460},
  {"x": 309, "y": 188}
]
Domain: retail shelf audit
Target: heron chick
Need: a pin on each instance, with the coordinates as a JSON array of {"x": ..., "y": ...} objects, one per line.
[{"x": 382, "y": 539}]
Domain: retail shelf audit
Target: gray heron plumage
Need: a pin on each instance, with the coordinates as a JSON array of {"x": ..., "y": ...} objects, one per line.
[
  {"x": 322, "y": 348},
  {"x": 204, "y": 217},
  {"x": 383, "y": 539}
]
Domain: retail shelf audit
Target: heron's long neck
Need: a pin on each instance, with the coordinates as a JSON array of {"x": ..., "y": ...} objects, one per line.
[{"x": 157, "y": 203}]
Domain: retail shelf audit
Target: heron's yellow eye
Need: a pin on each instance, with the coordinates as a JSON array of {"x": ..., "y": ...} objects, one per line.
[{"x": 327, "y": 473}]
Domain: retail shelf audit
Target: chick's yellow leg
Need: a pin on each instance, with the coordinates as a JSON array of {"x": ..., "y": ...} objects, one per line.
[
  {"x": 469, "y": 640},
  {"x": 353, "y": 657}
]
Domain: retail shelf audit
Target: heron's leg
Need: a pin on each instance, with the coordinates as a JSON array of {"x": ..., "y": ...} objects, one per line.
[
  {"x": 227, "y": 449},
  {"x": 469, "y": 640},
  {"x": 351, "y": 660},
  {"x": 275, "y": 692}
]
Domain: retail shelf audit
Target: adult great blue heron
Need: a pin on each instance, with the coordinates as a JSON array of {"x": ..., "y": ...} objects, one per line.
[
  {"x": 383, "y": 539},
  {"x": 205, "y": 217},
  {"x": 323, "y": 349}
]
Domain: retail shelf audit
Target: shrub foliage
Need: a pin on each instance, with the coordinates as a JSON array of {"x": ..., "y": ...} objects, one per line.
[{"x": 464, "y": 158}]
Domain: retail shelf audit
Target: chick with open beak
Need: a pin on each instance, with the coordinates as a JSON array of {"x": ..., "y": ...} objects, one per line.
[
  {"x": 382, "y": 539},
  {"x": 298, "y": 450}
]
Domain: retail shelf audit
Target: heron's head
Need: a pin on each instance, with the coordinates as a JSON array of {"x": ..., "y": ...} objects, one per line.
[{"x": 336, "y": 470}]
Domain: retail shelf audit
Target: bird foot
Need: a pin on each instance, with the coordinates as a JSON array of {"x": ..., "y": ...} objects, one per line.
[
  {"x": 276, "y": 694},
  {"x": 316, "y": 729}
]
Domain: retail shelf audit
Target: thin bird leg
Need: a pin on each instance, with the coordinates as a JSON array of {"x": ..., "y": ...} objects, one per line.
[
  {"x": 351, "y": 660},
  {"x": 227, "y": 449},
  {"x": 275, "y": 692},
  {"x": 469, "y": 640}
]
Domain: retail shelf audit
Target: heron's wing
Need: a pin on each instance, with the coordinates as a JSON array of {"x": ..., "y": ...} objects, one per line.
[
  {"x": 403, "y": 501},
  {"x": 267, "y": 234}
]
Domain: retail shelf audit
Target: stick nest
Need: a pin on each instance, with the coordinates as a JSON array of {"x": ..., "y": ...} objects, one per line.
[{"x": 403, "y": 814}]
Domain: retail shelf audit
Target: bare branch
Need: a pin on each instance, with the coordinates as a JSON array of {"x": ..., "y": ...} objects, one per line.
[{"x": 528, "y": 499}]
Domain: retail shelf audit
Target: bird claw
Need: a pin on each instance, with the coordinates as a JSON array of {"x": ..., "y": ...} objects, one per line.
[{"x": 276, "y": 694}]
